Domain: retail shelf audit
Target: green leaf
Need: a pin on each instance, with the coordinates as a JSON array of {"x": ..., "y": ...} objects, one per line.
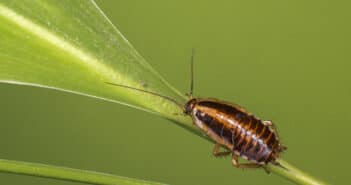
[
  {"x": 69, "y": 174},
  {"x": 72, "y": 46}
]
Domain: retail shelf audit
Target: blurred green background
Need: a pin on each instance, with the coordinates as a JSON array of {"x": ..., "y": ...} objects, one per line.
[{"x": 287, "y": 61}]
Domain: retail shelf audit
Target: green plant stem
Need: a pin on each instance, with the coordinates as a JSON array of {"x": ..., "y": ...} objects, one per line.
[
  {"x": 293, "y": 174},
  {"x": 77, "y": 175},
  {"x": 69, "y": 174}
]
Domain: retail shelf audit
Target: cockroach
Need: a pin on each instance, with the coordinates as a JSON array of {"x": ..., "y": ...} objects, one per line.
[{"x": 231, "y": 127}]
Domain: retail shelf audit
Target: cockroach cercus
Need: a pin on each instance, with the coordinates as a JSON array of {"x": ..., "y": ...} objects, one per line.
[{"x": 231, "y": 127}]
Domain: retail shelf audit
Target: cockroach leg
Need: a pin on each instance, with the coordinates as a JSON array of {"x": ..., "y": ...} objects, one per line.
[
  {"x": 236, "y": 164},
  {"x": 217, "y": 153}
]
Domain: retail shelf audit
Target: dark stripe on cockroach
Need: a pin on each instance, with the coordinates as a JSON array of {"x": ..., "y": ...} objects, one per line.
[
  {"x": 243, "y": 143},
  {"x": 265, "y": 134},
  {"x": 232, "y": 137},
  {"x": 246, "y": 122},
  {"x": 248, "y": 143},
  {"x": 204, "y": 118},
  {"x": 254, "y": 146},
  {"x": 259, "y": 129},
  {"x": 216, "y": 126},
  {"x": 252, "y": 124},
  {"x": 271, "y": 140},
  {"x": 221, "y": 133},
  {"x": 237, "y": 132},
  {"x": 211, "y": 123},
  {"x": 254, "y": 127},
  {"x": 262, "y": 131},
  {"x": 241, "y": 139},
  {"x": 259, "y": 147},
  {"x": 228, "y": 135},
  {"x": 224, "y": 108}
]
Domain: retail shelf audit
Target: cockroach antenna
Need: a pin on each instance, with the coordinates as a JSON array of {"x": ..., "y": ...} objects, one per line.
[
  {"x": 150, "y": 92},
  {"x": 192, "y": 74}
]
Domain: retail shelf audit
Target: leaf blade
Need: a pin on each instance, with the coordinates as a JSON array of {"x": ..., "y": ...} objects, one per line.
[
  {"x": 68, "y": 174},
  {"x": 78, "y": 63}
]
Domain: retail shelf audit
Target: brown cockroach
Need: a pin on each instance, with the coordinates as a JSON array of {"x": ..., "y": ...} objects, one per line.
[{"x": 232, "y": 127}]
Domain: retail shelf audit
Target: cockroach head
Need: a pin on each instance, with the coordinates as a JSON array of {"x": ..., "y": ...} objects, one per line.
[{"x": 189, "y": 106}]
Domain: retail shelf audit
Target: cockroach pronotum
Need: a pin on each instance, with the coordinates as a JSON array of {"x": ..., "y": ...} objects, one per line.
[{"x": 231, "y": 127}]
